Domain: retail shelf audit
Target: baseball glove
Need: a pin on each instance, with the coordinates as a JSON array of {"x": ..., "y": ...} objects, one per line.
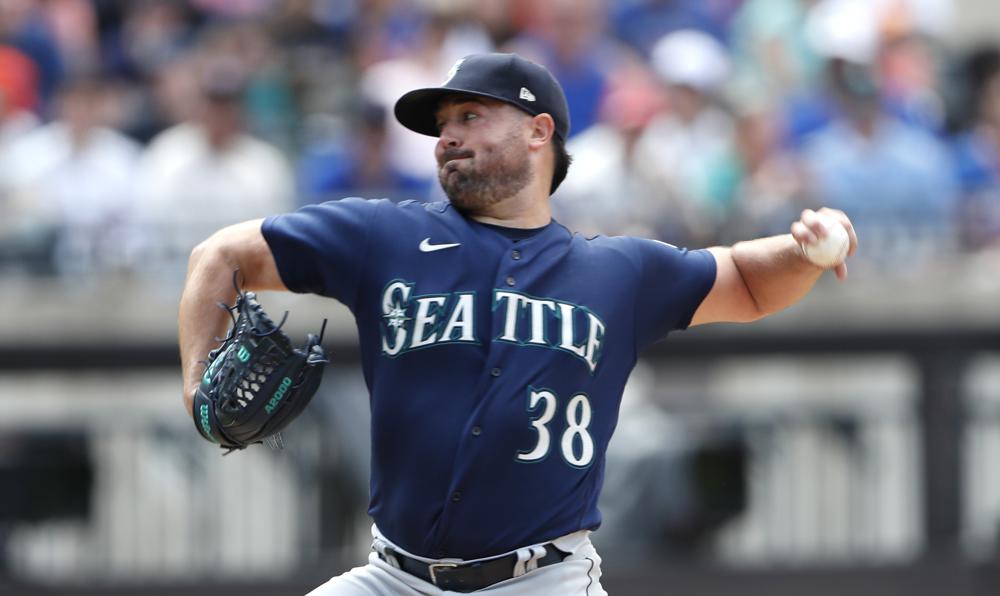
[{"x": 255, "y": 382}]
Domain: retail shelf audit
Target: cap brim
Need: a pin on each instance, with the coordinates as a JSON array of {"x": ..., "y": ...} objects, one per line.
[{"x": 417, "y": 110}]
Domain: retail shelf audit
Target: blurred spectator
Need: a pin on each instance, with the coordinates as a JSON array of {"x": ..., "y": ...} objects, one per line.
[
  {"x": 496, "y": 18},
  {"x": 774, "y": 65},
  {"x": 883, "y": 172},
  {"x": 641, "y": 23},
  {"x": 342, "y": 159},
  {"x": 154, "y": 34},
  {"x": 70, "y": 183},
  {"x": 297, "y": 23},
  {"x": 73, "y": 24},
  {"x": 23, "y": 26},
  {"x": 603, "y": 192},
  {"x": 845, "y": 29},
  {"x": 314, "y": 41},
  {"x": 682, "y": 144},
  {"x": 269, "y": 107},
  {"x": 208, "y": 172},
  {"x": 908, "y": 71},
  {"x": 18, "y": 97},
  {"x": 851, "y": 29},
  {"x": 567, "y": 36},
  {"x": 412, "y": 156},
  {"x": 977, "y": 150},
  {"x": 317, "y": 79},
  {"x": 772, "y": 57},
  {"x": 760, "y": 178},
  {"x": 235, "y": 9},
  {"x": 390, "y": 29},
  {"x": 895, "y": 36}
]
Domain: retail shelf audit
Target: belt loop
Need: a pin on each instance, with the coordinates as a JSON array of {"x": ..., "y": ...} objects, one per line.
[
  {"x": 523, "y": 555},
  {"x": 386, "y": 552},
  {"x": 537, "y": 552}
]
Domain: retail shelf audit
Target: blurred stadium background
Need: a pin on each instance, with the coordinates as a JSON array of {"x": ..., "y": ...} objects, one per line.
[{"x": 846, "y": 445}]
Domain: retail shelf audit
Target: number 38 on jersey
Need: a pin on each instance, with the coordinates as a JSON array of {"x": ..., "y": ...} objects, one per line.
[{"x": 575, "y": 443}]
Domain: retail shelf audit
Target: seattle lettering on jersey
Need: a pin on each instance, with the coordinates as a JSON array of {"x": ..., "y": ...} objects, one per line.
[{"x": 411, "y": 322}]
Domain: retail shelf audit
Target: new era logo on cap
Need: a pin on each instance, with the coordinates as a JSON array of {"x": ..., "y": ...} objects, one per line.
[{"x": 526, "y": 94}]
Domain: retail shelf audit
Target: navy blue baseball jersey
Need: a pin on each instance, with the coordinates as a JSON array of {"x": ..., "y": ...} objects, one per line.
[{"x": 495, "y": 359}]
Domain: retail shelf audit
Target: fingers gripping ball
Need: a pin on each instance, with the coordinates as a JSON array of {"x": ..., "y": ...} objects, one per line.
[
  {"x": 255, "y": 382},
  {"x": 830, "y": 250}
]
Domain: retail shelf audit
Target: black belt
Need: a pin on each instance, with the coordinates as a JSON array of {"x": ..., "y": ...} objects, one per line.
[{"x": 467, "y": 577}]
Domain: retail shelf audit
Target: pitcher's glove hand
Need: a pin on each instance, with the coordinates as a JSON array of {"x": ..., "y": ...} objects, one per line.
[{"x": 255, "y": 383}]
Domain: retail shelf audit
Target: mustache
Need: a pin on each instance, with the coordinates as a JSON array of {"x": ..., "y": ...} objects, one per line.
[{"x": 455, "y": 153}]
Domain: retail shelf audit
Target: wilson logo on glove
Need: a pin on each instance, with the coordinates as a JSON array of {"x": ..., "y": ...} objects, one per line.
[{"x": 256, "y": 382}]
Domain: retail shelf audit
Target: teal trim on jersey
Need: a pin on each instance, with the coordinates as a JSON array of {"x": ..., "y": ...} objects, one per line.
[
  {"x": 434, "y": 309},
  {"x": 404, "y": 307},
  {"x": 558, "y": 315},
  {"x": 475, "y": 335},
  {"x": 410, "y": 305},
  {"x": 439, "y": 326}
]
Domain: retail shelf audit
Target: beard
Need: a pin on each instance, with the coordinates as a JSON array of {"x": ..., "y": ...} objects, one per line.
[{"x": 480, "y": 182}]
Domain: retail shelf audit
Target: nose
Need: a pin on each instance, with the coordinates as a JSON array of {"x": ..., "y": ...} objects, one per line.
[{"x": 447, "y": 139}]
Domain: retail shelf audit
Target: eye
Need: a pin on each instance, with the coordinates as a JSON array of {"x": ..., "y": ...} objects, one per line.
[{"x": 469, "y": 116}]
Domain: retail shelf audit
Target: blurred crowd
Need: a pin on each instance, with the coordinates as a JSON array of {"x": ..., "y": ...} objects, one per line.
[{"x": 131, "y": 129}]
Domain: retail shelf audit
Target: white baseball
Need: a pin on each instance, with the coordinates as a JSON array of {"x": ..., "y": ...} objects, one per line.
[{"x": 830, "y": 250}]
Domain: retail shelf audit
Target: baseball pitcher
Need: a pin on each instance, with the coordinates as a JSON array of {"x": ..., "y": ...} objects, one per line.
[{"x": 495, "y": 342}]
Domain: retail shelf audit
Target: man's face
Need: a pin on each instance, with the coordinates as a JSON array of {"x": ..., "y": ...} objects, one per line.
[{"x": 482, "y": 152}]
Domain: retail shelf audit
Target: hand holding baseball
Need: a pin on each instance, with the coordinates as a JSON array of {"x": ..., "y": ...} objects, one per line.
[{"x": 827, "y": 238}]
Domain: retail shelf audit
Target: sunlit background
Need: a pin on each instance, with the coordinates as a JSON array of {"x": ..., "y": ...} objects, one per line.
[{"x": 848, "y": 445}]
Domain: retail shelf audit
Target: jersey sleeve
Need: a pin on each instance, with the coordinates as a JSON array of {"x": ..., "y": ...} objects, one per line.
[
  {"x": 672, "y": 284},
  {"x": 321, "y": 249}
]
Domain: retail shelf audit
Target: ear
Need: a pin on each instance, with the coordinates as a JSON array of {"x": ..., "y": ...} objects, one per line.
[{"x": 542, "y": 129}]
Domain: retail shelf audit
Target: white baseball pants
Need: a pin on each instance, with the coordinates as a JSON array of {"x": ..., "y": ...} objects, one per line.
[{"x": 579, "y": 574}]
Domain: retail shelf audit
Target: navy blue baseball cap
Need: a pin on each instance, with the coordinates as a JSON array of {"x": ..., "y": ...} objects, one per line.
[{"x": 505, "y": 77}]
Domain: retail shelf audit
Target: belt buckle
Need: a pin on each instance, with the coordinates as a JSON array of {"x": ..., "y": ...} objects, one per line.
[{"x": 434, "y": 567}]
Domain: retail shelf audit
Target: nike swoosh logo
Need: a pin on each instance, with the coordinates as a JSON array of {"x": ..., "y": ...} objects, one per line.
[{"x": 426, "y": 246}]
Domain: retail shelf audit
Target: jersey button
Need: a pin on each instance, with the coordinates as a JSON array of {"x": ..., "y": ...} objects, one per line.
[
  {"x": 495, "y": 372},
  {"x": 476, "y": 431},
  {"x": 456, "y": 496},
  {"x": 516, "y": 255},
  {"x": 510, "y": 280}
]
